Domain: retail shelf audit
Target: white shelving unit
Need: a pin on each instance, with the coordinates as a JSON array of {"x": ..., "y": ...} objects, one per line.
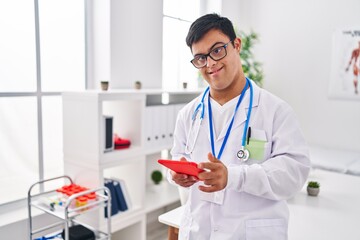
[{"x": 138, "y": 115}]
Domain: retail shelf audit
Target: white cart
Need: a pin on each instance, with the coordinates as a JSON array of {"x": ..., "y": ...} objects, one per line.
[{"x": 66, "y": 214}]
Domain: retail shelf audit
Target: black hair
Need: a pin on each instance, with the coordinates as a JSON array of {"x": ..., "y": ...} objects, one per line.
[{"x": 204, "y": 24}]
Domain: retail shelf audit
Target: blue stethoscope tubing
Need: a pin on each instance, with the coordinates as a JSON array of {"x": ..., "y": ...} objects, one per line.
[
  {"x": 243, "y": 154},
  {"x": 201, "y": 105}
]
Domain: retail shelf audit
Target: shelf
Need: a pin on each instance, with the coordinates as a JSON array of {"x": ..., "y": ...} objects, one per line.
[
  {"x": 124, "y": 219},
  {"x": 116, "y": 157},
  {"x": 98, "y": 235},
  {"x": 161, "y": 195},
  {"x": 59, "y": 212},
  {"x": 123, "y": 95}
]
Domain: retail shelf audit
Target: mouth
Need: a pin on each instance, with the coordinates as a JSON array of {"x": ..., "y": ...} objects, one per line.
[{"x": 215, "y": 71}]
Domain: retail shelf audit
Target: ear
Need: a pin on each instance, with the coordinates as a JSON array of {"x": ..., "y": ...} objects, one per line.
[{"x": 237, "y": 44}]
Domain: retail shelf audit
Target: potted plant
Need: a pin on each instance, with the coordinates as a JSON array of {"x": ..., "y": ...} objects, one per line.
[
  {"x": 156, "y": 176},
  {"x": 137, "y": 85},
  {"x": 251, "y": 67},
  {"x": 313, "y": 188}
]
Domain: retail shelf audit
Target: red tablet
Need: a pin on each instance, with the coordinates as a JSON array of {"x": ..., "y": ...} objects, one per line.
[{"x": 189, "y": 168}]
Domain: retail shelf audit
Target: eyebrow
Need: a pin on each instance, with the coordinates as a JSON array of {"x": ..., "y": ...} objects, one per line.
[{"x": 210, "y": 49}]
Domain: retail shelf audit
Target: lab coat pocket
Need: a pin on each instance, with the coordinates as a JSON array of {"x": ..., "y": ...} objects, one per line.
[
  {"x": 269, "y": 229},
  {"x": 258, "y": 149}
]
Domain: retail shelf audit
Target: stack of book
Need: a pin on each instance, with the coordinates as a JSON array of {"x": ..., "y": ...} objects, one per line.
[{"x": 120, "y": 200}]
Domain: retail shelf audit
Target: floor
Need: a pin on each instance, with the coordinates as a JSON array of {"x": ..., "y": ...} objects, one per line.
[{"x": 157, "y": 232}]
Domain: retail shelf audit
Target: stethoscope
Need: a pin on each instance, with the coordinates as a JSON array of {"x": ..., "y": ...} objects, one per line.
[{"x": 243, "y": 154}]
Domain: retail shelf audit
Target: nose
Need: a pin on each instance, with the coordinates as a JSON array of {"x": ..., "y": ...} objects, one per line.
[{"x": 210, "y": 62}]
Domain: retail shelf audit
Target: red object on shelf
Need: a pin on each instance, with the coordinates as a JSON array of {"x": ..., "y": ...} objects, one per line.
[
  {"x": 121, "y": 143},
  {"x": 71, "y": 189}
]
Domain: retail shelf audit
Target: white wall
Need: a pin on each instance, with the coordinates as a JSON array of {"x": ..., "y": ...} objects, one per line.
[
  {"x": 295, "y": 48},
  {"x": 125, "y": 43},
  {"x": 136, "y": 43}
]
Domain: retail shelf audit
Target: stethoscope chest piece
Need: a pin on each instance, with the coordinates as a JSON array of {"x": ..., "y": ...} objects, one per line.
[{"x": 243, "y": 154}]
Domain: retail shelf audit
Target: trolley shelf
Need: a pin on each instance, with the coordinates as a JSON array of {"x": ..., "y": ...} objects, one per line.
[{"x": 67, "y": 213}]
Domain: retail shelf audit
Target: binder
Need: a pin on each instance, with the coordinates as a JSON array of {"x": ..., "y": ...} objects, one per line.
[
  {"x": 119, "y": 196},
  {"x": 156, "y": 128},
  {"x": 162, "y": 123},
  {"x": 114, "y": 203},
  {"x": 170, "y": 124},
  {"x": 148, "y": 127},
  {"x": 125, "y": 191}
]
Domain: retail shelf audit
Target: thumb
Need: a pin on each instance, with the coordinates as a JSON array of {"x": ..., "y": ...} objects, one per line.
[
  {"x": 212, "y": 158},
  {"x": 183, "y": 159}
]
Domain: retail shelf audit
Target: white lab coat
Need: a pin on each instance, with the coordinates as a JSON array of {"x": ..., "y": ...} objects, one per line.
[{"x": 253, "y": 204}]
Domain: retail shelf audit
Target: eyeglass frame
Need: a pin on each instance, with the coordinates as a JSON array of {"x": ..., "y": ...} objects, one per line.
[{"x": 209, "y": 55}]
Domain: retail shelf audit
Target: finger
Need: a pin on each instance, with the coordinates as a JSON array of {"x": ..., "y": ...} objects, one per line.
[
  {"x": 183, "y": 159},
  {"x": 179, "y": 176},
  {"x": 205, "y": 175},
  {"x": 183, "y": 178},
  {"x": 193, "y": 178},
  {"x": 188, "y": 184},
  {"x": 208, "y": 165},
  {"x": 212, "y": 158},
  {"x": 211, "y": 182},
  {"x": 208, "y": 189}
]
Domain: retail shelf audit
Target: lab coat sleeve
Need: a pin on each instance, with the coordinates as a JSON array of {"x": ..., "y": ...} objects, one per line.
[
  {"x": 285, "y": 172},
  {"x": 178, "y": 149}
]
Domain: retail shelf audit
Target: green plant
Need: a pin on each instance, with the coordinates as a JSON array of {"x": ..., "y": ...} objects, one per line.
[
  {"x": 313, "y": 184},
  {"x": 252, "y": 68},
  {"x": 156, "y": 176}
]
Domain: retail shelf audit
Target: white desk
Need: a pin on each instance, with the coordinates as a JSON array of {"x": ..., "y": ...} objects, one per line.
[{"x": 333, "y": 215}]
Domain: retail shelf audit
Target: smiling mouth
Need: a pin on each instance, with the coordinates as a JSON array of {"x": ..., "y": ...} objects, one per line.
[{"x": 215, "y": 71}]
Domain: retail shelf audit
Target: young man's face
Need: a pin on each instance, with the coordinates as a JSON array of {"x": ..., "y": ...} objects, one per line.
[{"x": 221, "y": 74}]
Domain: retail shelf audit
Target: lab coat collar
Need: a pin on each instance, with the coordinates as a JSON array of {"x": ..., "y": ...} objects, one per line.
[{"x": 241, "y": 114}]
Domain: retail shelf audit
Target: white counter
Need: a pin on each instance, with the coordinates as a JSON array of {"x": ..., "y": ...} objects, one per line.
[{"x": 332, "y": 215}]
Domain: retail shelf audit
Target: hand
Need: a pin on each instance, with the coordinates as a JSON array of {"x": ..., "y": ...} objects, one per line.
[
  {"x": 183, "y": 180},
  {"x": 216, "y": 178}
]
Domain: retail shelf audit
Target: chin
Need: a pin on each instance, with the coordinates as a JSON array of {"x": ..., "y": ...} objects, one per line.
[{"x": 219, "y": 87}]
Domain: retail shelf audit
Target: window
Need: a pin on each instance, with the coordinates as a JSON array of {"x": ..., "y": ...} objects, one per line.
[
  {"x": 42, "y": 49},
  {"x": 177, "y": 18}
]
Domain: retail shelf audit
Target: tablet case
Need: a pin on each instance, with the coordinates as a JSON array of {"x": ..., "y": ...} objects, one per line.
[{"x": 189, "y": 168}]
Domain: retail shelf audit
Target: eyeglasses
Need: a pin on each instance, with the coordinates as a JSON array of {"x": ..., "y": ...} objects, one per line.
[{"x": 216, "y": 54}]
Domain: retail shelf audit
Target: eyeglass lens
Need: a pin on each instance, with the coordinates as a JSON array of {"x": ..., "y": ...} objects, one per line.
[{"x": 216, "y": 54}]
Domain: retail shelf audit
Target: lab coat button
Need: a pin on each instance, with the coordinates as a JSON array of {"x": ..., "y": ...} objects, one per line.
[{"x": 216, "y": 228}]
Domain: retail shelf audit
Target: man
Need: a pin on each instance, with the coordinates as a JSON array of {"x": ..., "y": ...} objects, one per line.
[
  {"x": 354, "y": 56},
  {"x": 236, "y": 197}
]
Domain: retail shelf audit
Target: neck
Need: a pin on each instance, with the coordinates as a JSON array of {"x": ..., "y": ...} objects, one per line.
[{"x": 222, "y": 96}]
